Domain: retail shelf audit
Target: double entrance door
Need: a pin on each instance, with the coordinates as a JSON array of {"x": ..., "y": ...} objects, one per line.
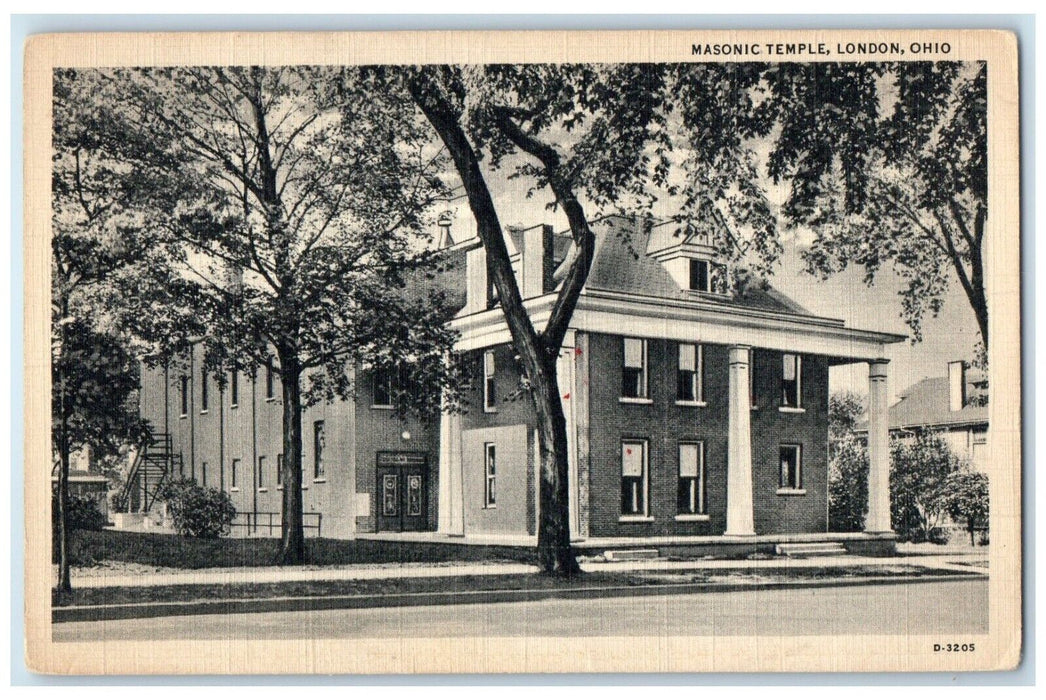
[{"x": 402, "y": 491}]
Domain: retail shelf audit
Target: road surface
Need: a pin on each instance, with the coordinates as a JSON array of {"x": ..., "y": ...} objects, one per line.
[{"x": 920, "y": 608}]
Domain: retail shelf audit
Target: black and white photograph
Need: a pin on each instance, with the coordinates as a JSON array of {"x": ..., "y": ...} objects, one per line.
[{"x": 529, "y": 349}]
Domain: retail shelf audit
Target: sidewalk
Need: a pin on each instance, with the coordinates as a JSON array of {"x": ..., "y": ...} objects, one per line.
[{"x": 967, "y": 563}]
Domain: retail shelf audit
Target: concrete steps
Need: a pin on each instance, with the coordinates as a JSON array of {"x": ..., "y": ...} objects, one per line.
[{"x": 804, "y": 550}]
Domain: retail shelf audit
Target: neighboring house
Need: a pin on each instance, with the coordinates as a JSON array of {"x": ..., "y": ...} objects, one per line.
[
  {"x": 85, "y": 480},
  {"x": 955, "y": 406},
  {"x": 690, "y": 411}
]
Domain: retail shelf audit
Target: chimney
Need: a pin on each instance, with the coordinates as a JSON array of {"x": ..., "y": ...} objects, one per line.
[
  {"x": 477, "y": 288},
  {"x": 444, "y": 222},
  {"x": 956, "y": 385},
  {"x": 538, "y": 264}
]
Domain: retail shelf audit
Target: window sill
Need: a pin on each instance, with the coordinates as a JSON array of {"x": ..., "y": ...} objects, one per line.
[
  {"x": 489, "y": 410},
  {"x": 635, "y": 400},
  {"x": 183, "y": 416},
  {"x": 636, "y": 519},
  {"x": 381, "y": 407},
  {"x": 204, "y": 412},
  {"x": 263, "y": 489},
  {"x": 493, "y": 507},
  {"x": 699, "y": 404},
  {"x": 791, "y": 409},
  {"x": 234, "y": 405},
  {"x": 321, "y": 480},
  {"x": 234, "y": 488},
  {"x": 692, "y": 518},
  {"x": 791, "y": 492},
  {"x": 270, "y": 399}
]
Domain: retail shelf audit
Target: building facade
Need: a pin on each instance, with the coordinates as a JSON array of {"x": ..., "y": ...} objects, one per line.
[{"x": 692, "y": 410}]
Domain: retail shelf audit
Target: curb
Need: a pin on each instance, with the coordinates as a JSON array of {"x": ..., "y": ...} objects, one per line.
[{"x": 124, "y": 611}]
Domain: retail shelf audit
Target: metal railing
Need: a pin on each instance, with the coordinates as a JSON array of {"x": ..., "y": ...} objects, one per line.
[{"x": 271, "y": 523}]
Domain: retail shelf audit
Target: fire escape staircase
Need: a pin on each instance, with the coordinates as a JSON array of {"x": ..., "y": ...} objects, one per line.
[{"x": 155, "y": 464}]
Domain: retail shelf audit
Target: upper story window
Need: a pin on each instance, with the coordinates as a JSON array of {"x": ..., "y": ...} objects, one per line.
[
  {"x": 234, "y": 389},
  {"x": 633, "y": 369},
  {"x": 383, "y": 387},
  {"x": 183, "y": 391},
  {"x": 205, "y": 399},
  {"x": 791, "y": 381},
  {"x": 707, "y": 276},
  {"x": 690, "y": 378},
  {"x": 489, "y": 387},
  {"x": 270, "y": 381}
]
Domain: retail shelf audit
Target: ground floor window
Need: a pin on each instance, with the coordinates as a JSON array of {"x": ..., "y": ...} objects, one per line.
[
  {"x": 490, "y": 475},
  {"x": 234, "y": 474},
  {"x": 691, "y": 499},
  {"x": 261, "y": 472},
  {"x": 203, "y": 474},
  {"x": 279, "y": 470},
  {"x": 791, "y": 467},
  {"x": 634, "y": 482}
]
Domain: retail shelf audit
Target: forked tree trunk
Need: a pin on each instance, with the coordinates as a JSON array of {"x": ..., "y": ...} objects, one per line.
[
  {"x": 292, "y": 540},
  {"x": 555, "y": 554}
]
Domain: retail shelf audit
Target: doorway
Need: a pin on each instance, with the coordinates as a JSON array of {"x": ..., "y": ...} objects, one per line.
[{"x": 403, "y": 491}]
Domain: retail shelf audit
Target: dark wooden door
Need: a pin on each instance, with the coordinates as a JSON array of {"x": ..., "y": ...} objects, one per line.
[{"x": 402, "y": 493}]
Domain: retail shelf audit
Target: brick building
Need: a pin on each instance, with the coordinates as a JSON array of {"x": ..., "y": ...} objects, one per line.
[{"x": 691, "y": 412}]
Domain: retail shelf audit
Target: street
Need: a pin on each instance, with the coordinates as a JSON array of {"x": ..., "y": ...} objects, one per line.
[{"x": 893, "y": 609}]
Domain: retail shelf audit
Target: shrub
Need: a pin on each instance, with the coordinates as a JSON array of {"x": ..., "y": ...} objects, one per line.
[
  {"x": 197, "y": 511},
  {"x": 848, "y": 486},
  {"x": 82, "y": 514},
  {"x": 918, "y": 484},
  {"x": 967, "y": 499}
]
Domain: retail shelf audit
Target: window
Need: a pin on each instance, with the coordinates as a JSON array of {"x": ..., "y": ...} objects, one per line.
[
  {"x": 261, "y": 472},
  {"x": 270, "y": 383},
  {"x": 318, "y": 443},
  {"x": 490, "y": 475},
  {"x": 203, "y": 474},
  {"x": 692, "y": 478},
  {"x": 791, "y": 467},
  {"x": 205, "y": 399},
  {"x": 234, "y": 475},
  {"x": 279, "y": 471},
  {"x": 234, "y": 389},
  {"x": 633, "y": 371},
  {"x": 634, "y": 485},
  {"x": 791, "y": 381},
  {"x": 489, "y": 394},
  {"x": 183, "y": 390},
  {"x": 708, "y": 277},
  {"x": 699, "y": 275},
  {"x": 690, "y": 383},
  {"x": 383, "y": 388}
]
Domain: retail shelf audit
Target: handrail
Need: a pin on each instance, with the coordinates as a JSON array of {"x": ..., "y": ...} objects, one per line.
[{"x": 273, "y": 521}]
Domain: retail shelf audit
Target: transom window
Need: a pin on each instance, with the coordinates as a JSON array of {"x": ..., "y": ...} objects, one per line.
[
  {"x": 635, "y": 485},
  {"x": 791, "y": 380},
  {"x": 633, "y": 371},
  {"x": 490, "y": 475},
  {"x": 489, "y": 386},
  {"x": 791, "y": 467},
  {"x": 691, "y": 499},
  {"x": 690, "y": 380}
]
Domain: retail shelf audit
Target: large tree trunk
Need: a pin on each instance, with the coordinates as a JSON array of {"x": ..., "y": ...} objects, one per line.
[
  {"x": 292, "y": 540},
  {"x": 555, "y": 554},
  {"x": 64, "y": 579}
]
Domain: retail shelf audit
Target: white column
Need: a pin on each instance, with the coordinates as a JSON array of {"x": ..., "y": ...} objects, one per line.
[
  {"x": 878, "y": 519},
  {"x": 451, "y": 517},
  {"x": 740, "y": 518}
]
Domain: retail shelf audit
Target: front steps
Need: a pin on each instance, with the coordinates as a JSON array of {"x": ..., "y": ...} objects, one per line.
[{"x": 805, "y": 550}]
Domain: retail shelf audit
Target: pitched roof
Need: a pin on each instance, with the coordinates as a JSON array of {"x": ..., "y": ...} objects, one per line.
[
  {"x": 925, "y": 405},
  {"x": 622, "y": 263}
]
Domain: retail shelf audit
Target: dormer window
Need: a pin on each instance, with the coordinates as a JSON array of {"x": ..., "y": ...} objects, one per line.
[{"x": 708, "y": 277}]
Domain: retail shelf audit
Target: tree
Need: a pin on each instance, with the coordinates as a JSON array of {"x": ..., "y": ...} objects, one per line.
[
  {"x": 99, "y": 200},
  {"x": 967, "y": 498},
  {"x": 905, "y": 182},
  {"x": 919, "y": 479},
  {"x": 845, "y": 408},
  {"x": 307, "y": 219}
]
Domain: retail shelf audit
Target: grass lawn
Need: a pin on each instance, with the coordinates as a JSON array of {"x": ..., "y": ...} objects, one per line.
[
  {"x": 174, "y": 551},
  {"x": 493, "y": 582}
]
